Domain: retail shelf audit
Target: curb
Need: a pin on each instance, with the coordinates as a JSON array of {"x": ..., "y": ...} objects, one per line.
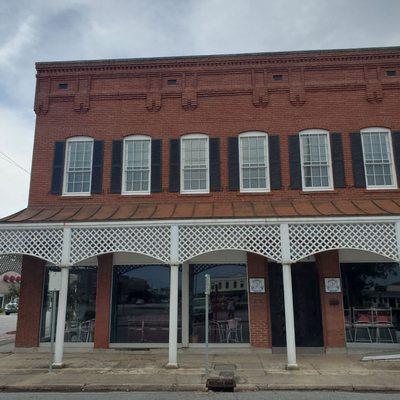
[{"x": 76, "y": 388}]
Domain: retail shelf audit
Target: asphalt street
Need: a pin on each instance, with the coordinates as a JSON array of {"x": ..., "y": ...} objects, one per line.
[{"x": 278, "y": 395}]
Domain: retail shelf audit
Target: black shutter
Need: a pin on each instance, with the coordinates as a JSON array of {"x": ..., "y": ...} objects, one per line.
[
  {"x": 294, "y": 162},
  {"x": 274, "y": 156},
  {"x": 174, "y": 165},
  {"x": 233, "y": 163},
  {"x": 97, "y": 168},
  {"x": 58, "y": 168},
  {"x": 396, "y": 154},
  {"x": 339, "y": 179},
  {"x": 215, "y": 168},
  {"x": 156, "y": 166},
  {"x": 357, "y": 159},
  {"x": 116, "y": 167}
]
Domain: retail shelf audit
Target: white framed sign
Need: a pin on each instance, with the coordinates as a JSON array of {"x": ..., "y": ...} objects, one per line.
[
  {"x": 54, "y": 281},
  {"x": 332, "y": 285},
  {"x": 257, "y": 285}
]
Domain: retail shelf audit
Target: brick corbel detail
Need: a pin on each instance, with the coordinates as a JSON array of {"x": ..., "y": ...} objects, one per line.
[
  {"x": 260, "y": 89},
  {"x": 373, "y": 86},
  {"x": 42, "y": 99},
  {"x": 331, "y": 303},
  {"x": 30, "y": 302},
  {"x": 260, "y": 320},
  {"x": 103, "y": 301},
  {"x": 82, "y": 96},
  {"x": 297, "y": 92},
  {"x": 189, "y": 93},
  {"x": 153, "y": 96}
]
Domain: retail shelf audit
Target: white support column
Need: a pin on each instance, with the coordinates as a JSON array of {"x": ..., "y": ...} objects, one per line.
[
  {"x": 398, "y": 240},
  {"x": 173, "y": 318},
  {"x": 62, "y": 300},
  {"x": 173, "y": 299},
  {"x": 185, "y": 304},
  {"x": 289, "y": 316},
  {"x": 288, "y": 298}
]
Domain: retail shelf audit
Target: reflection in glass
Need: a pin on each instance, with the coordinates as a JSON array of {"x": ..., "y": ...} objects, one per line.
[
  {"x": 371, "y": 296},
  {"x": 81, "y": 305},
  {"x": 140, "y": 311},
  {"x": 228, "y": 313}
]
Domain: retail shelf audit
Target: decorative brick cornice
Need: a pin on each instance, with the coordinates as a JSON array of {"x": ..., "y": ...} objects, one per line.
[
  {"x": 189, "y": 93},
  {"x": 42, "y": 100},
  {"x": 153, "y": 97},
  {"x": 82, "y": 97}
]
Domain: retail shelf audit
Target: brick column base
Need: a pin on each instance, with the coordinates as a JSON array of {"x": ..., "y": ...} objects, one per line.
[
  {"x": 103, "y": 301},
  {"x": 30, "y": 302},
  {"x": 260, "y": 321},
  {"x": 331, "y": 303}
]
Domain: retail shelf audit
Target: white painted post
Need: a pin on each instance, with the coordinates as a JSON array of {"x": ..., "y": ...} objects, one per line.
[
  {"x": 289, "y": 316},
  {"x": 288, "y": 298},
  {"x": 62, "y": 299},
  {"x": 185, "y": 304},
  {"x": 173, "y": 299}
]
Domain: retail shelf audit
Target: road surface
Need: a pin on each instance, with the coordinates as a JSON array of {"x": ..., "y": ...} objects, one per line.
[{"x": 8, "y": 323}]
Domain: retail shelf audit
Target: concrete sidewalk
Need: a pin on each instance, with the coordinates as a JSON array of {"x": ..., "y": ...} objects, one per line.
[{"x": 254, "y": 369}]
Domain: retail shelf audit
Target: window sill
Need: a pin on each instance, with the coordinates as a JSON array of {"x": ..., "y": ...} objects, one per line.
[
  {"x": 255, "y": 193},
  {"x": 196, "y": 194},
  {"x": 318, "y": 192},
  {"x": 77, "y": 196},
  {"x": 383, "y": 190}
]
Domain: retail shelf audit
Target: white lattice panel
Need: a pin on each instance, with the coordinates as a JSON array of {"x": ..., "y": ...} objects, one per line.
[
  {"x": 262, "y": 239},
  {"x": 10, "y": 262},
  {"x": 153, "y": 241},
  {"x": 308, "y": 239},
  {"x": 43, "y": 243}
]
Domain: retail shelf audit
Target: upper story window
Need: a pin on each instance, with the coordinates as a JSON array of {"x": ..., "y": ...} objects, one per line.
[
  {"x": 253, "y": 158},
  {"x": 378, "y": 158},
  {"x": 315, "y": 156},
  {"x": 195, "y": 164},
  {"x": 78, "y": 166},
  {"x": 136, "y": 165}
]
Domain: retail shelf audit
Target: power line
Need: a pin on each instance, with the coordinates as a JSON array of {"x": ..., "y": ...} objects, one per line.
[{"x": 11, "y": 161}]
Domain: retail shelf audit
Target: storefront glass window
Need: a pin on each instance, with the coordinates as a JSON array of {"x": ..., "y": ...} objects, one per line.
[
  {"x": 141, "y": 304},
  {"x": 81, "y": 305},
  {"x": 228, "y": 316},
  {"x": 371, "y": 293}
]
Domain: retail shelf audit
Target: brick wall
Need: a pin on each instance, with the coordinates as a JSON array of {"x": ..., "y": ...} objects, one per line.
[
  {"x": 30, "y": 302},
  {"x": 338, "y": 91},
  {"x": 331, "y": 303},
  {"x": 260, "y": 323},
  {"x": 103, "y": 301}
]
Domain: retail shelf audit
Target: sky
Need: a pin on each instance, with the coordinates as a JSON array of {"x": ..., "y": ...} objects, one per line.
[{"x": 49, "y": 30}]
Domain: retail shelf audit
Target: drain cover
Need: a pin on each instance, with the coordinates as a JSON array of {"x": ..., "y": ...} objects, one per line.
[{"x": 221, "y": 384}]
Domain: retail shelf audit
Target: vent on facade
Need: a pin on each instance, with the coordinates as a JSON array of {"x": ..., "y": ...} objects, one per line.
[
  {"x": 63, "y": 86},
  {"x": 277, "y": 77},
  {"x": 391, "y": 72},
  {"x": 172, "y": 82}
]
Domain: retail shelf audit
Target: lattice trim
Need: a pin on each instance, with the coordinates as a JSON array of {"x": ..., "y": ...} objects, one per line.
[
  {"x": 10, "y": 262},
  {"x": 153, "y": 241},
  {"x": 43, "y": 243},
  {"x": 308, "y": 239},
  {"x": 260, "y": 239}
]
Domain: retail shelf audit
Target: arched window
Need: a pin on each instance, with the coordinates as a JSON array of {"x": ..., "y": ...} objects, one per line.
[
  {"x": 253, "y": 159},
  {"x": 136, "y": 171},
  {"x": 78, "y": 166},
  {"x": 378, "y": 158},
  {"x": 195, "y": 163},
  {"x": 316, "y": 165}
]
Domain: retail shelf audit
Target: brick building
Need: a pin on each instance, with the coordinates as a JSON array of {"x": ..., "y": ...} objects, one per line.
[{"x": 274, "y": 173}]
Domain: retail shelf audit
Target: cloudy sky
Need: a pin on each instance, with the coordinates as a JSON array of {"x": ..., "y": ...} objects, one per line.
[{"x": 44, "y": 30}]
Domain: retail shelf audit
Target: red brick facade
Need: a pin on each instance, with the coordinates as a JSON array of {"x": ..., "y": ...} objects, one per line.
[
  {"x": 260, "y": 322},
  {"x": 30, "y": 302}
]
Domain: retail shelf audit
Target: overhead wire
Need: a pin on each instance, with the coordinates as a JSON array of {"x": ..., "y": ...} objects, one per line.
[{"x": 11, "y": 161}]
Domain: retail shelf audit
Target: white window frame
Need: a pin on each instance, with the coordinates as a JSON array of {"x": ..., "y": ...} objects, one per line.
[
  {"x": 307, "y": 132},
  {"x": 66, "y": 166},
  {"x": 392, "y": 165},
  {"x": 134, "y": 192},
  {"x": 188, "y": 137},
  {"x": 268, "y": 183}
]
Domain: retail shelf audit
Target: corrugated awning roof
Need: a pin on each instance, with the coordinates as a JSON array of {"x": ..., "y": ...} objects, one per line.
[{"x": 199, "y": 210}]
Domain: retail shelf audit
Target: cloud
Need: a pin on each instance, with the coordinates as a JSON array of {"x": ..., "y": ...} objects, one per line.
[{"x": 42, "y": 30}]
